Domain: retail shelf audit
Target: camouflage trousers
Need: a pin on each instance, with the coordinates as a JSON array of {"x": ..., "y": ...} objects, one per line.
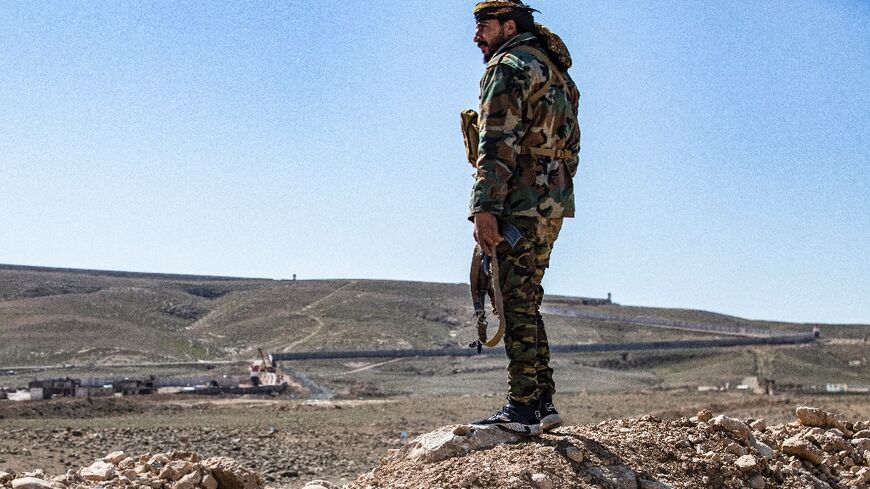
[{"x": 521, "y": 271}]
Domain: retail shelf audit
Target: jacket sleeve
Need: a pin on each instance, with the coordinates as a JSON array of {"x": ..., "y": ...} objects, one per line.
[
  {"x": 573, "y": 144},
  {"x": 501, "y": 124}
]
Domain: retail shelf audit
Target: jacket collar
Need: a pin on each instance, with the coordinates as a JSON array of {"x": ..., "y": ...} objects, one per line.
[{"x": 514, "y": 42}]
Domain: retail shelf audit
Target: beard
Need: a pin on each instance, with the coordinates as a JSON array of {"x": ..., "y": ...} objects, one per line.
[{"x": 492, "y": 47}]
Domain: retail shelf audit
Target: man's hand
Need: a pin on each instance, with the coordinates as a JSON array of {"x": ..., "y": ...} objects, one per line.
[{"x": 486, "y": 232}]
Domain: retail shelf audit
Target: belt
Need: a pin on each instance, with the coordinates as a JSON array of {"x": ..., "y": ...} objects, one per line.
[{"x": 562, "y": 154}]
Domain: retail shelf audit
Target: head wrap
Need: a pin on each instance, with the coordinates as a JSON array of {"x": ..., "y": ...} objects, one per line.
[
  {"x": 494, "y": 9},
  {"x": 555, "y": 46}
]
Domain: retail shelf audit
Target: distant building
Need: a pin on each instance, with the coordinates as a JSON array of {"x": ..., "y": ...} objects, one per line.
[
  {"x": 844, "y": 388},
  {"x": 585, "y": 301},
  {"x": 50, "y": 388},
  {"x": 132, "y": 387},
  {"x": 594, "y": 301},
  {"x": 757, "y": 385}
]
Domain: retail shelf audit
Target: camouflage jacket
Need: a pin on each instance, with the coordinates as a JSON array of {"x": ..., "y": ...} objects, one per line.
[{"x": 508, "y": 183}]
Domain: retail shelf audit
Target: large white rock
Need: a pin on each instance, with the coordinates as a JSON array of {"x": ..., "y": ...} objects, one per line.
[
  {"x": 30, "y": 483},
  {"x": 98, "y": 471},
  {"x": 454, "y": 441}
]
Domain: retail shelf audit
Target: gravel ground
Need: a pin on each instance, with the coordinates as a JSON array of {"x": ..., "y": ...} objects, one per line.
[{"x": 290, "y": 442}]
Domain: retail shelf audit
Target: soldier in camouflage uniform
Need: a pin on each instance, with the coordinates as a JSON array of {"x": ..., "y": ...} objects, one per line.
[{"x": 527, "y": 157}]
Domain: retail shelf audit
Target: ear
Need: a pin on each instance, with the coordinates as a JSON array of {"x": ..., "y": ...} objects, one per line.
[{"x": 510, "y": 28}]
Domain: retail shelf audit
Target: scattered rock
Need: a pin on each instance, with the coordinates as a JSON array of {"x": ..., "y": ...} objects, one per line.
[
  {"x": 320, "y": 484},
  {"x": 615, "y": 476},
  {"x": 114, "y": 458},
  {"x": 746, "y": 463},
  {"x": 574, "y": 454},
  {"x": 757, "y": 482},
  {"x": 648, "y": 484},
  {"x": 763, "y": 450},
  {"x": 704, "y": 415},
  {"x": 803, "y": 449},
  {"x": 189, "y": 481},
  {"x": 809, "y": 416},
  {"x": 732, "y": 425},
  {"x": 98, "y": 471},
  {"x": 541, "y": 481},
  {"x": 231, "y": 475},
  {"x": 861, "y": 443},
  {"x": 209, "y": 482}
]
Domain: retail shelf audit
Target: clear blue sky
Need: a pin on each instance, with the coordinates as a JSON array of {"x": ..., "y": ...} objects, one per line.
[{"x": 725, "y": 152}]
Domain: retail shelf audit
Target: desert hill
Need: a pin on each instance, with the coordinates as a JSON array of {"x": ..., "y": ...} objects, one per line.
[{"x": 100, "y": 321}]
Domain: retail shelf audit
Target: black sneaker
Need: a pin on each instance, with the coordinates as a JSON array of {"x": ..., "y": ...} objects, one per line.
[
  {"x": 550, "y": 418},
  {"x": 515, "y": 417}
]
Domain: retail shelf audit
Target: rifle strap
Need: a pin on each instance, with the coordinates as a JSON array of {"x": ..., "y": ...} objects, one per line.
[{"x": 497, "y": 302}]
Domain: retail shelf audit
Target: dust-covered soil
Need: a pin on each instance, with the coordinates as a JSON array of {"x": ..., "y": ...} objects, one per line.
[
  {"x": 290, "y": 442},
  {"x": 816, "y": 450}
]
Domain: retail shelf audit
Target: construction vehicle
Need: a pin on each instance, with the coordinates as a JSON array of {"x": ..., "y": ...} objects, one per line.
[{"x": 267, "y": 372}]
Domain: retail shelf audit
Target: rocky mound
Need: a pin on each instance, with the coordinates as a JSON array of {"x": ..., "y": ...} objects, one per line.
[
  {"x": 818, "y": 450},
  {"x": 174, "y": 470}
]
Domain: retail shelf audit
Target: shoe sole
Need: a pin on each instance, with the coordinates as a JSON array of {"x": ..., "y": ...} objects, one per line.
[
  {"x": 515, "y": 428},
  {"x": 551, "y": 421}
]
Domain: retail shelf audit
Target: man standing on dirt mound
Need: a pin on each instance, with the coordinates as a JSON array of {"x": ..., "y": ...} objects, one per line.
[{"x": 527, "y": 156}]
